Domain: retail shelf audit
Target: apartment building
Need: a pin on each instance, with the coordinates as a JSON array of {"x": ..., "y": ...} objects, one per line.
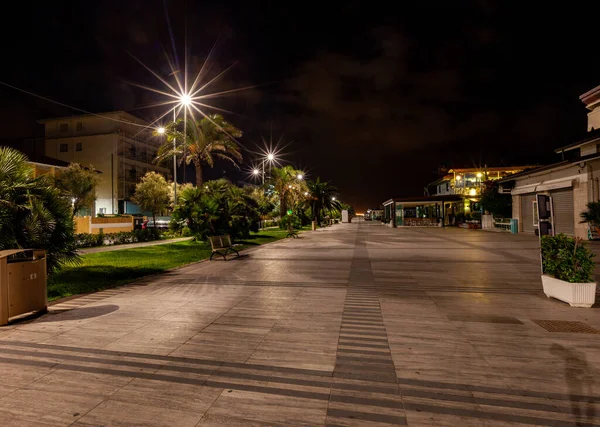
[{"x": 119, "y": 145}]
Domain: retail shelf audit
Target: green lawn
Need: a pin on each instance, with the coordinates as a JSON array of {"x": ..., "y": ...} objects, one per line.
[{"x": 107, "y": 269}]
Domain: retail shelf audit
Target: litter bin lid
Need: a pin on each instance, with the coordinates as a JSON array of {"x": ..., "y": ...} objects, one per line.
[{"x": 8, "y": 252}]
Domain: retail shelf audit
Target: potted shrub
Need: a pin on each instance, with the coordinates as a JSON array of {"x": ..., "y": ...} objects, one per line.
[
  {"x": 568, "y": 269},
  {"x": 592, "y": 216}
]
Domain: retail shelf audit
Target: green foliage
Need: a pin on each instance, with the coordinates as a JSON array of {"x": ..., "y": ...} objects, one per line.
[
  {"x": 499, "y": 205},
  {"x": 153, "y": 194},
  {"x": 85, "y": 240},
  {"x": 290, "y": 222},
  {"x": 592, "y": 214},
  {"x": 78, "y": 185},
  {"x": 289, "y": 189},
  {"x": 203, "y": 141},
  {"x": 219, "y": 207},
  {"x": 567, "y": 259},
  {"x": 322, "y": 199},
  {"x": 33, "y": 214}
]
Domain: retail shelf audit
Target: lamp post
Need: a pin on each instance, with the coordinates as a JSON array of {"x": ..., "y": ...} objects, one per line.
[{"x": 185, "y": 101}]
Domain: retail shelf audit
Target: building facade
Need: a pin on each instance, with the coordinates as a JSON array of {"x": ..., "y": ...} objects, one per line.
[
  {"x": 572, "y": 183},
  {"x": 454, "y": 197},
  {"x": 117, "y": 144}
]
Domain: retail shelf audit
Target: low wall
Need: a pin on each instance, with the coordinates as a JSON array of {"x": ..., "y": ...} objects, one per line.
[{"x": 95, "y": 225}]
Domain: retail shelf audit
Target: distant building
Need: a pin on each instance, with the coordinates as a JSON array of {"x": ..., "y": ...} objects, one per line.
[
  {"x": 456, "y": 193},
  {"x": 117, "y": 144},
  {"x": 572, "y": 182}
]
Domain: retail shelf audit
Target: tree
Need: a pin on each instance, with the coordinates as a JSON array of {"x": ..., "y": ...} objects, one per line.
[
  {"x": 152, "y": 194},
  {"x": 322, "y": 197},
  {"x": 205, "y": 140},
  {"x": 33, "y": 214},
  {"x": 287, "y": 186},
  {"x": 78, "y": 184},
  {"x": 499, "y": 205}
]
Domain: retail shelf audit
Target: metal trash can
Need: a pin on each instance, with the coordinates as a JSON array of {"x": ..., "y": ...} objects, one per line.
[
  {"x": 22, "y": 283},
  {"x": 514, "y": 225}
]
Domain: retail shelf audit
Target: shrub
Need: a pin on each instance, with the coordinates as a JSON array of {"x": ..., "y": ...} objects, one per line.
[
  {"x": 567, "y": 259},
  {"x": 33, "y": 214},
  {"x": 219, "y": 208},
  {"x": 592, "y": 214},
  {"x": 85, "y": 240},
  {"x": 290, "y": 222}
]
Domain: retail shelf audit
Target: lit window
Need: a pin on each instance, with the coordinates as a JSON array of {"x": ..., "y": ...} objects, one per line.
[
  {"x": 64, "y": 127},
  {"x": 78, "y": 126},
  {"x": 64, "y": 148},
  {"x": 79, "y": 146}
]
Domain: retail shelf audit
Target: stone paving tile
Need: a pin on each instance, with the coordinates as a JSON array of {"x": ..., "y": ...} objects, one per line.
[
  {"x": 117, "y": 413},
  {"x": 50, "y": 407}
]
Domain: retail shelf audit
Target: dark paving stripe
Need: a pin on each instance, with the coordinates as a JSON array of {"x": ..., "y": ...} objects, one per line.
[
  {"x": 369, "y": 352},
  {"x": 365, "y": 416},
  {"x": 363, "y": 328},
  {"x": 363, "y": 345},
  {"x": 379, "y": 360},
  {"x": 347, "y": 336}
]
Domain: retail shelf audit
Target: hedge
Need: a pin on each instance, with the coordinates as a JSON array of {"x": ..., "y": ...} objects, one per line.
[{"x": 86, "y": 240}]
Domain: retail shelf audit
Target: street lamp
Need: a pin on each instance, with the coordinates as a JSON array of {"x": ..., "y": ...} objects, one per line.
[
  {"x": 185, "y": 100},
  {"x": 270, "y": 157},
  {"x": 300, "y": 177},
  {"x": 160, "y": 130},
  {"x": 255, "y": 171},
  {"x": 333, "y": 198}
]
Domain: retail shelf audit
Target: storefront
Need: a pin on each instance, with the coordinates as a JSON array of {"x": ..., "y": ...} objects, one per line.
[{"x": 423, "y": 211}]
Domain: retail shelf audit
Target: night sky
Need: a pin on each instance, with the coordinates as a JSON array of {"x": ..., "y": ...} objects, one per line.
[{"x": 372, "y": 98}]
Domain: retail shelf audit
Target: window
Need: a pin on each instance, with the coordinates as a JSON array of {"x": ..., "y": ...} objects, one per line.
[
  {"x": 79, "y": 146},
  {"x": 101, "y": 210},
  {"x": 64, "y": 148},
  {"x": 78, "y": 126},
  {"x": 64, "y": 127}
]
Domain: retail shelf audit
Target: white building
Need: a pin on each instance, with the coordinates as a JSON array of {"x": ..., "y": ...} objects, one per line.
[
  {"x": 572, "y": 183},
  {"x": 117, "y": 144}
]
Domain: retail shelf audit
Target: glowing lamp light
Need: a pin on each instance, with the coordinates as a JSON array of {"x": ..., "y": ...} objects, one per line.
[
  {"x": 333, "y": 198},
  {"x": 160, "y": 130},
  {"x": 306, "y": 193},
  {"x": 270, "y": 157},
  {"x": 472, "y": 192},
  {"x": 479, "y": 174},
  {"x": 458, "y": 177},
  {"x": 186, "y": 100},
  {"x": 255, "y": 171},
  {"x": 289, "y": 186},
  {"x": 300, "y": 176}
]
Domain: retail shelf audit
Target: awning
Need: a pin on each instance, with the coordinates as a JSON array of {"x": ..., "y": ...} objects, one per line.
[{"x": 541, "y": 186}]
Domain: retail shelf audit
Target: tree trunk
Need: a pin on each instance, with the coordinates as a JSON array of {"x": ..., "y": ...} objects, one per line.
[
  {"x": 198, "y": 168},
  {"x": 154, "y": 218},
  {"x": 282, "y": 209}
]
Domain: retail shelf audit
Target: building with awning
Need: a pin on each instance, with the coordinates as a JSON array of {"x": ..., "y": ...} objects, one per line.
[
  {"x": 572, "y": 183},
  {"x": 423, "y": 211}
]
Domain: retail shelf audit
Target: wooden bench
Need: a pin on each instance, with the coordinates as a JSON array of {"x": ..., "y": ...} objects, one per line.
[{"x": 221, "y": 245}]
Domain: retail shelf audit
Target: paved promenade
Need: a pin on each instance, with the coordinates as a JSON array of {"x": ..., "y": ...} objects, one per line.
[{"x": 353, "y": 325}]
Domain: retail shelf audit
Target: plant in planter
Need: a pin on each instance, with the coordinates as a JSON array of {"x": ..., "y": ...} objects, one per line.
[
  {"x": 568, "y": 268},
  {"x": 592, "y": 216}
]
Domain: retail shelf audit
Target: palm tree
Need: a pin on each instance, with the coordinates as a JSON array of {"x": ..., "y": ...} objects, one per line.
[
  {"x": 206, "y": 140},
  {"x": 322, "y": 196},
  {"x": 33, "y": 214},
  {"x": 286, "y": 184}
]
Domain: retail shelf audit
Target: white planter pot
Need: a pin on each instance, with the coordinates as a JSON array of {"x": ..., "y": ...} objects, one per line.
[{"x": 575, "y": 294}]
